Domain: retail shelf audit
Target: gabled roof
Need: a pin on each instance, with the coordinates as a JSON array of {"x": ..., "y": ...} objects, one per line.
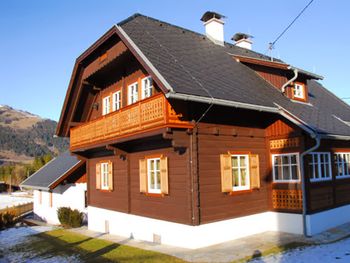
[
  {"x": 191, "y": 67},
  {"x": 55, "y": 171}
]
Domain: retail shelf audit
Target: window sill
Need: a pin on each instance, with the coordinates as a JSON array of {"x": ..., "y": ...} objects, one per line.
[
  {"x": 105, "y": 190},
  {"x": 154, "y": 194},
  {"x": 286, "y": 182},
  {"x": 241, "y": 192},
  {"x": 342, "y": 177},
  {"x": 321, "y": 180}
]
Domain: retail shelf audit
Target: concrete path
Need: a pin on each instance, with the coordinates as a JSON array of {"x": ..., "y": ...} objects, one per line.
[
  {"x": 224, "y": 252},
  {"x": 243, "y": 248}
]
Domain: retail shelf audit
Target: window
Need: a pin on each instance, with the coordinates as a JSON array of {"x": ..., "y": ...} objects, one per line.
[
  {"x": 147, "y": 85},
  {"x": 342, "y": 162},
  {"x": 320, "y": 167},
  {"x": 50, "y": 199},
  {"x": 116, "y": 101},
  {"x": 153, "y": 171},
  {"x": 85, "y": 199},
  {"x": 133, "y": 93},
  {"x": 106, "y": 105},
  {"x": 154, "y": 175},
  {"x": 40, "y": 197},
  {"x": 299, "y": 91},
  {"x": 285, "y": 167},
  {"x": 104, "y": 175},
  {"x": 240, "y": 172}
]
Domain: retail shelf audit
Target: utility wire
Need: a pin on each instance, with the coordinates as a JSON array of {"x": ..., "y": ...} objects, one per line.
[{"x": 271, "y": 45}]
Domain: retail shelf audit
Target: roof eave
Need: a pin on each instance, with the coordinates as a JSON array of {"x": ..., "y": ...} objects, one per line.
[{"x": 35, "y": 187}]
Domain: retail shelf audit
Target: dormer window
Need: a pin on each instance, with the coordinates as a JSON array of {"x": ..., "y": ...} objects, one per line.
[
  {"x": 299, "y": 91},
  {"x": 106, "y": 103}
]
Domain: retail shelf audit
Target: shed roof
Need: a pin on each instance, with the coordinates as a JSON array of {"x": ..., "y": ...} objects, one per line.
[{"x": 51, "y": 173}]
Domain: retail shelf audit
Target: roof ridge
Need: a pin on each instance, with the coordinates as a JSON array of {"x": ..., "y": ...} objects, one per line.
[{"x": 227, "y": 44}]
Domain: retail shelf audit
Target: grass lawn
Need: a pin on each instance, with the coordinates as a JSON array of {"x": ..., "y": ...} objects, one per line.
[{"x": 68, "y": 244}]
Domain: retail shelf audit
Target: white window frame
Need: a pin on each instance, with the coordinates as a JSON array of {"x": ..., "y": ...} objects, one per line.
[
  {"x": 290, "y": 168},
  {"x": 300, "y": 88},
  {"x": 247, "y": 167},
  {"x": 344, "y": 162},
  {"x": 156, "y": 172},
  {"x": 104, "y": 176},
  {"x": 106, "y": 103},
  {"x": 146, "y": 87},
  {"x": 133, "y": 93},
  {"x": 117, "y": 101},
  {"x": 320, "y": 166}
]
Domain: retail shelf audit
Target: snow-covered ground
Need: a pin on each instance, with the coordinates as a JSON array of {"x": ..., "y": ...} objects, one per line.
[
  {"x": 13, "y": 239},
  {"x": 336, "y": 252},
  {"x": 7, "y": 200}
]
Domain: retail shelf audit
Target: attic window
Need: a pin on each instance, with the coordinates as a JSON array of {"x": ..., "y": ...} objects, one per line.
[
  {"x": 103, "y": 57},
  {"x": 299, "y": 91}
]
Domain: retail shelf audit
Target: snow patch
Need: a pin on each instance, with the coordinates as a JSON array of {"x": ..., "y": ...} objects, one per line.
[
  {"x": 336, "y": 252},
  {"x": 7, "y": 200}
]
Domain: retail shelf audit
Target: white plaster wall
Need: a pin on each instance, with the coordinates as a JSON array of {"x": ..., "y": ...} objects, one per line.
[
  {"x": 143, "y": 228},
  {"x": 319, "y": 222},
  {"x": 70, "y": 195}
]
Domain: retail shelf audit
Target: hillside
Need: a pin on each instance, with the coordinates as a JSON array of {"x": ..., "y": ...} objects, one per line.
[{"x": 24, "y": 136}]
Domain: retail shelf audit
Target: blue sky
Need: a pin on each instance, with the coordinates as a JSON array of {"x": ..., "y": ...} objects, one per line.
[{"x": 40, "y": 40}]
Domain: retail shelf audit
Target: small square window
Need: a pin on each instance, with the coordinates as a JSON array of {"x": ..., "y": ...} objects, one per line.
[
  {"x": 299, "y": 91},
  {"x": 285, "y": 167}
]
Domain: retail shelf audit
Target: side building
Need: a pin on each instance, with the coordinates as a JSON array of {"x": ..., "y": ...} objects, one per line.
[{"x": 60, "y": 183}]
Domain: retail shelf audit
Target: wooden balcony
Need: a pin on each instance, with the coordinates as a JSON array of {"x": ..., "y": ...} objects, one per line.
[{"x": 143, "y": 116}]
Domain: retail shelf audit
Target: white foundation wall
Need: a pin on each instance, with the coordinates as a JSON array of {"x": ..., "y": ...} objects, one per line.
[
  {"x": 319, "y": 222},
  {"x": 180, "y": 235},
  {"x": 70, "y": 195}
]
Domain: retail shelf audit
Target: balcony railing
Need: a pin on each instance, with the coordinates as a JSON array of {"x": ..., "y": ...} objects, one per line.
[{"x": 142, "y": 116}]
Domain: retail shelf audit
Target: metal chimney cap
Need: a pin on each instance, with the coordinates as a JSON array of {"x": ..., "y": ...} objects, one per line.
[
  {"x": 210, "y": 14},
  {"x": 238, "y": 36}
]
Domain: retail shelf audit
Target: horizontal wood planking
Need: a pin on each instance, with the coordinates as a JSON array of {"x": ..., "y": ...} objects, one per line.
[
  {"x": 214, "y": 204},
  {"x": 174, "y": 207},
  {"x": 331, "y": 193}
]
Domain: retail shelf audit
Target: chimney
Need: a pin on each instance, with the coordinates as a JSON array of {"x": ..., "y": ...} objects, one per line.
[
  {"x": 214, "y": 27},
  {"x": 243, "y": 40}
]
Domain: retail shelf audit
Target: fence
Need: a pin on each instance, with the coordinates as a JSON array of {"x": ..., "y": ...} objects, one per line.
[{"x": 18, "y": 210}]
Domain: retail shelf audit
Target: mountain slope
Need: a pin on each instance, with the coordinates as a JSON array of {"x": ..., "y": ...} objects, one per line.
[{"x": 24, "y": 136}]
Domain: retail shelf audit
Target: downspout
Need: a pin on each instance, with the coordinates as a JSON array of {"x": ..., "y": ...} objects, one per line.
[
  {"x": 285, "y": 85},
  {"x": 302, "y": 172}
]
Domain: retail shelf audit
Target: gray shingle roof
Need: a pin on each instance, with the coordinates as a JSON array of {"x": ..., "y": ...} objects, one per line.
[
  {"x": 51, "y": 172},
  {"x": 194, "y": 65}
]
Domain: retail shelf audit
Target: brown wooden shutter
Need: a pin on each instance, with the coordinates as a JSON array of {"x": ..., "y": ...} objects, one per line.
[
  {"x": 164, "y": 187},
  {"x": 226, "y": 173},
  {"x": 143, "y": 175},
  {"x": 98, "y": 176},
  {"x": 254, "y": 171},
  {"x": 110, "y": 176}
]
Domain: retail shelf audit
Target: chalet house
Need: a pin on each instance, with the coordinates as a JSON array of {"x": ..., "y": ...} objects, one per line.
[
  {"x": 192, "y": 141},
  {"x": 60, "y": 183}
]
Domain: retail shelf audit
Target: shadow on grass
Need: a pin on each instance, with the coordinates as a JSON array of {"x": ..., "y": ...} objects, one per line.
[{"x": 87, "y": 249}]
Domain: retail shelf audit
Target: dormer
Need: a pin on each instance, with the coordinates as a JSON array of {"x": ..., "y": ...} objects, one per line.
[{"x": 290, "y": 81}]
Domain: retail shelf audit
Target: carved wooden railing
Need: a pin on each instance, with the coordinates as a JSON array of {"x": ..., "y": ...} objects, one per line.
[
  {"x": 287, "y": 199},
  {"x": 139, "y": 117}
]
